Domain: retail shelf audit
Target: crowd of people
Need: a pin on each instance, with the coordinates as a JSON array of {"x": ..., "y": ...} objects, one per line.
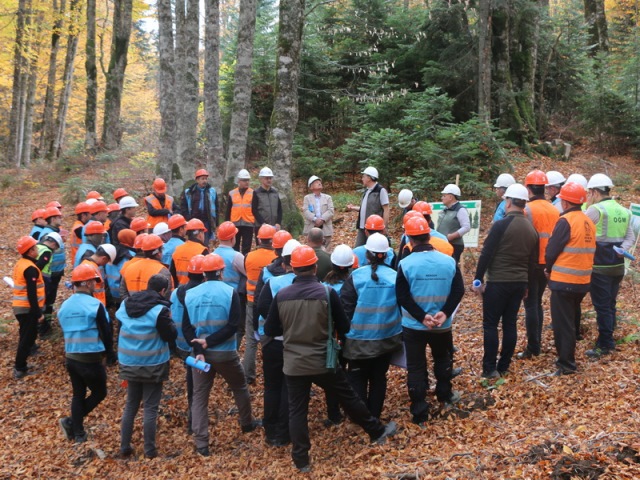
[{"x": 183, "y": 282}]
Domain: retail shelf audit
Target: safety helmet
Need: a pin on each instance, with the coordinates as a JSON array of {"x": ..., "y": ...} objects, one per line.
[
  {"x": 127, "y": 202},
  {"x": 38, "y": 213},
  {"x": 109, "y": 250},
  {"x": 195, "y": 264},
  {"x": 98, "y": 206},
  {"x": 280, "y": 238},
  {"x": 176, "y": 221},
  {"x": 266, "y": 231},
  {"x": 416, "y": 226},
  {"x": 226, "y": 231},
  {"x": 91, "y": 201},
  {"x": 137, "y": 243},
  {"x": 289, "y": 247},
  {"x": 424, "y": 208},
  {"x": 452, "y": 189},
  {"x": 195, "y": 224},
  {"x": 161, "y": 228},
  {"x": 138, "y": 224},
  {"x": 411, "y": 214},
  {"x": 159, "y": 185},
  {"x": 536, "y": 177},
  {"x": 118, "y": 193},
  {"x": 517, "y": 191},
  {"x": 82, "y": 207},
  {"x": 356, "y": 262},
  {"x": 404, "y": 197},
  {"x": 573, "y": 193},
  {"x": 201, "y": 173},
  {"x": 55, "y": 236},
  {"x": 54, "y": 203},
  {"x": 25, "y": 244},
  {"x": 84, "y": 273},
  {"x": 504, "y": 180},
  {"x": 555, "y": 178},
  {"x": 303, "y": 256},
  {"x": 243, "y": 175},
  {"x": 152, "y": 242},
  {"x": 577, "y": 178},
  {"x": 51, "y": 212},
  {"x": 312, "y": 179},
  {"x": 377, "y": 243},
  {"x": 127, "y": 237},
  {"x": 94, "y": 194},
  {"x": 374, "y": 222},
  {"x": 372, "y": 172},
  {"x": 212, "y": 263},
  {"x": 265, "y": 172},
  {"x": 599, "y": 180},
  {"x": 113, "y": 207},
  {"x": 94, "y": 228},
  {"x": 342, "y": 256}
]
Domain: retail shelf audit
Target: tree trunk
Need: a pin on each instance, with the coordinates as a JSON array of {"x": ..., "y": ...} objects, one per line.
[
  {"x": 112, "y": 129},
  {"x": 239, "y": 130},
  {"x": 91, "y": 111},
  {"x": 16, "y": 119},
  {"x": 30, "y": 98},
  {"x": 213, "y": 122},
  {"x": 178, "y": 79},
  {"x": 167, "y": 96},
  {"x": 284, "y": 118},
  {"x": 484, "y": 61},
  {"x": 594, "y": 14}
]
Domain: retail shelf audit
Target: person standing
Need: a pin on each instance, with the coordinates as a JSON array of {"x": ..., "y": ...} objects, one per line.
[
  {"x": 569, "y": 263},
  {"x": 200, "y": 201},
  {"x": 317, "y": 210},
  {"x": 54, "y": 222},
  {"x": 83, "y": 214},
  {"x": 375, "y": 201},
  {"x": 374, "y": 224},
  {"x": 314, "y": 240},
  {"x": 159, "y": 204},
  {"x": 265, "y": 204},
  {"x": 239, "y": 212},
  {"x": 136, "y": 276},
  {"x": 127, "y": 211},
  {"x": 177, "y": 225},
  {"x": 37, "y": 217},
  {"x": 613, "y": 229},
  {"x": 454, "y": 219},
  {"x": 93, "y": 238},
  {"x": 504, "y": 181},
  {"x": 509, "y": 257},
  {"x": 182, "y": 255},
  {"x": 305, "y": 338},
  {"x": 87, "y": 340},
  {"x": 555, "y": 181}
]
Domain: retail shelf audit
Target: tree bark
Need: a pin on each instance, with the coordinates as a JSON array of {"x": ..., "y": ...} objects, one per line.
[
  {"x": 484, "y": 60},
  {"x": 33, "y": 24},
  {"x": 112, "y": 129},
  {"x": 167, "y": 95},
  {"x": 16, "y": 118},
  {"x": 594, "y": 14},
  {"x": 91, "y": 110}
]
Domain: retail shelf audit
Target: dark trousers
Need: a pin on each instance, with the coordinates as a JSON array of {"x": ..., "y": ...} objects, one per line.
[
  {"x": 276, "y": 400},
  {"x": 27, "y": 337},
  {"x": 150, "y": 394},
  {"x": 534, "y": 315},
  {"x": 92, "y": 376},
  {"x": 369, "y": 379},
  {"x": 51, "y": 285},
  {"x": 415, "y": 344},
  {"x": 563, "y": 313},
  {"x": 457, "y": 252},
  {"x": 244, "y": 239},
  {"x": 501, "y": 302},
  {"x": 604, "y": 292},
  {"x": 336, "y": 383}
]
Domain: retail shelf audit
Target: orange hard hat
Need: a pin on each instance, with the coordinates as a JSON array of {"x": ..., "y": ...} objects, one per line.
[
  {"x": 138, "y": 224},
  {"x": 25, "y": 244},
  {"x": 118, "y": 193},
  {"x": 303, "y": 256},
  {"x": 84, "y": 272},
  {"x": 82, "y": 207},
  {"x": 416, "y": 226},
  {"x": 536, "y": 177},
  {"x": 573, "y": 193},
  {"x": 51, "y": 212},
  {"x": 280, "y": 238},
  {"x": 159, "y": 185},
  {"x": 411, "y": 214},
  {"x": 127, "y": 237},
  {"x": 137, "y": 243},
  {"x": 152, "y": 242},
  {"x": 202, "y": 173},
  {"x": 195, "y": 224},
  {"x": 356, "y": 262},
  {"x": 98, "y": 206},
  {"x": 113, "y": 207},
  {"x": 227, "y": 230},
  {"x": 176, "y": 221},
  {"x": 54, "y": 203},
  {"x": 374, "y": 222},
  {"x": 423, "y": 207},
  {"x": 266, "y": 231},
  {"x": 212, "y": 263},
  {"x": 39, "y": 213},
  {"x": 94, "y": 228},
  {"x": 195, "y": 265},
  {"x": 94, "y": 194}
]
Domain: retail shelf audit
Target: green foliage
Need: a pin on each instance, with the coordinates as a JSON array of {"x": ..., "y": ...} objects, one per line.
[
  {"x": 293, "y": 222},
  {"x": 5, "y": 181},
  {"x": 342, "y": 199},
  {"x": 72, "y": 190}
]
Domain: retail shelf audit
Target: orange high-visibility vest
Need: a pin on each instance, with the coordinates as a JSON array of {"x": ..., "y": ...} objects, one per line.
[
  {"x": 155, "y": 203},
  {"x": 182, "y": 256},
  {"x": 75, "y": 240},
  {"x": 20, "y": 297},
  {"x": 254, "y": 262},
  {"x": 241, "y": 207},
  {"x": 137, "y": 275},
  {"x": 100, "y": 292},
  {"x": 544, "y": 217},
  {"x": 575, "y": 263}
]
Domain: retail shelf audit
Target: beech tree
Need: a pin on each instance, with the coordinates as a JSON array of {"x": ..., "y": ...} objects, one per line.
[
  {"x": 166, "y": 93},
  {"x": 91, "y": 110}
]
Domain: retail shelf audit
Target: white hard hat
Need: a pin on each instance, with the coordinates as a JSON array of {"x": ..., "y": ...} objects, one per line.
[
  {"x": 161, "y": 228},
  {"x": 127, "y": 202},
  {"x": 599, "y": 180},
  {"x": 452, "y": 189},
  {"x": 504, "y": 180},
  {"x": 371, "y": 171},
  {"x": 577, "y": 178},
  {"x": 109, "y": 250},
  {"x": 312, "y": 179},
  {"x": 377, "y": 243},
  {"x": 290, "y": 246},
  {"x": 342, "y": 256},
  {"x": 90, "y": 201},
  {"x": 55, "y": 236},
  {"x": 404, "y": 197},
  {"x": 265, "y": 172},
  {"x": 555, "y": 178},
  {"x": 517, "y": 191},
  {"x": 244, "y": 175}
]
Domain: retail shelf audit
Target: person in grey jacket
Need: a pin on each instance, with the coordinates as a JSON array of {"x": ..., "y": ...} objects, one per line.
[{"x": 317, "y": 210}]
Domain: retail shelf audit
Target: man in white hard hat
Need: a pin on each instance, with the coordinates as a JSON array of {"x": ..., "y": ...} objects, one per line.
[
  {"x": 239, "y": 212},
  {"x": 317, "y": 210},
  {"x": 504, "y": 181},
  {"x": 406, "y": 200},
  {"x": 266, "y": 206},
  {"x": 454, "y": 219},
  {"x": 552, "y": 189},
  {"x": 613, "y": 229},
  {"x": 127, "y": 211},
  {"x": 375, "y": 201}
]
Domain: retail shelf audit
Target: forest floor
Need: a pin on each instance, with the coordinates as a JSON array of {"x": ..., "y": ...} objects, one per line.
[{"x": 527, "y": 425}]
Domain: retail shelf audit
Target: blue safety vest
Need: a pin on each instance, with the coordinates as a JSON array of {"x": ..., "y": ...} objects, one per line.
[
  {"x": 82, "y": 249},
  {"x": 429, "y": 274},
  {"x": 36, "y": 229},
  {"x": 177, "y": 314},
  {"x": 112, "y": 274},
  {"x": 83, "y": 238},
  {"x": 336, "y": 286},
  {"x": 58, "y": 258},
  {"x": 140, "y": 344},
  {"x": 169, "y": 248},
  {"x": 377, "y": 315},
  {"x": 501, "y": 211},
  {"x": 230, "y": 275},
  {"x": 361, "y": 253},
  {"x": 275, "y": 284},
  {"x": 77, "y": 317},
  {"x": 209, "y": 305},
  {"x": 212, "y": 201}
]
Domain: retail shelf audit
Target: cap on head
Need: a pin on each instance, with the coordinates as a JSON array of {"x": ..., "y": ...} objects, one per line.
[
  {"x": 377, "y": 243},
  {"x": 195, "y": 224},
  {"x": 266, "y": 231},
  {"x": 94, "y": 194},
  {"x": 375, "y": 223},
  {"x": 98, "y": 206},
  {"x": 55, "y": 237},
  {"x": 577, "y": 178},
  {"x": 573, "y": 193},
  {"x": 138, "y": 224},
  {"x": 109, "y": 250},
  {"x": 504, "y": 180},
  {"x": 159, "y": 185},
  {"x": 303, "y": 256},
  {"x": 536, "y": 177},
  {"x": 265, "y": 172},
  {"x": 416, "y": 226},
  {"x": 127, "y": 237},
  {"x": 161, "y": 228},
  {"x": 372, "y": 172},
  {"x": 452, "y": 189},
  {"x": 289, "y": 247},
  {"x": 51, "y": 212},
  {"x": 599, "y": 180},
  {"x": 424, "y": 208},
  {"x": 84, "y": 273},
  {"x": 127, "y": 202},
  {"x": 517, "y": 191},
  {"x": 137, "y": 243},
  {"x": 151, "y": 243},
  {"x": 195, "y": 265},
  {"x": 226, "y": 231},
  {"x": 201, "y": 173},
  {"x": 94, "y": 228},
  {"x": 54, "y": 203},
  {"x": 25, "y": 244},
  {"x": 342, "y": 256},
  {"x": 555, "y": 179},
  {"x": 243, "y": 175},
  {"x": 312, "y": 179},
  {"x": 118, "y": 193},
  {"x": 404, "y": 197},
  {"x": 280, "y": 238},
  {"x": 38, "y": 213},
  {"x": 176, "y": 221},
  {"x": 212, "y": 263}
]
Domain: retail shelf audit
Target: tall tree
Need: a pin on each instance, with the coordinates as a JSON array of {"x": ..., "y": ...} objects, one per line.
[
  {"x": 167, "y": 150},
  {"x": 20, "y": 66},
  {"x": 33, "y": 24},
  {"x": 484, "y": 60},
  {"x": 91, "y": 110},
  {"x": 594, "y": 14}
]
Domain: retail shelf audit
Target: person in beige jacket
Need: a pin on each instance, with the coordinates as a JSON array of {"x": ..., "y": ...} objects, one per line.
[{"x": 317, "y": 210}]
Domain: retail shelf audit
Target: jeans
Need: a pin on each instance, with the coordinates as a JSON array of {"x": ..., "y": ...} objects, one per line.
[
  {"x": 244, "y": 238},
  {"x": 604, "y": 292},
  {"x": 250, "y": 346},
  {"x": 27, "y": 338},
  {"x": 276, "y": 400},
  {"x": 534, "y": 315},
  {"x": 563, "y": 311},
  {"x": 85, "y": 375},
  {"x": 368, "y": 378},
  {"x": 150, "y": 394},
  {"x": 501, "y": 301}
]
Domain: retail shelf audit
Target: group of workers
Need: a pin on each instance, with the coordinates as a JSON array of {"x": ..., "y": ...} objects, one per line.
[{"x": 171, "y": 291}]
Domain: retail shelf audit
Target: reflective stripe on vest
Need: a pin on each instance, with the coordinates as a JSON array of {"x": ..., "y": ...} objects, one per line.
[
  {"x": 209, "y": 305},
  {"x": 230, "y": 275},
  {"x": 182, "y": 256},
  {"x": 254, "y": 262},
  {"x": 241, "y": 213},
  {"x": 20, "y": 297},
  {"x": 613, "y": 222},
  {"x": 575, "y": 262},
  {"x": 77, "y": 317},
  {"x": 544, "y": 217},
  {"x": 155, "y": 203},
  {"x": 139, "y": 343}
]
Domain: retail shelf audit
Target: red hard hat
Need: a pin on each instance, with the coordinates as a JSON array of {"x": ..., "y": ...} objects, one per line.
[
  {"x": 113, "y": 207},
  {"x": 411, "y": 214},
  {"x": 137, "y": 243},
  {"x": 423, "y": 207},
  {"x": 94, "y": 228},
  {"x": 39, "y": 213},
  {"x": 266, "y": 231},
  {"x": 159, "y": 185},
  {"x": 201, "y": 173},
  {"x": 303, "y": 256},
  {"x": 25, "y": 244},
  {"x": 138, "y": 224},
  {"x": 573, "y": 193},
  {"x": 374, "y": 222},
  {"x": 356, "y": 262},
  {"x": 84, "y": 272},
  {"x": 51, "y": 212},
  {"x": 94, "y": 194},
  {"x": 280, "y": 238},
  {"x": 152, "y": 242},
  {"x": 127, "y": 237},
  {"x": 82, "y": 207},
  {"x": 195, "y": 224},
  {"x": 227, "y": 230},
  {"x": 416, "y": 226},
  {"x": 195, "y": 264},
  {"x": 119, "y": 193},
  {"x": 212, "y": 263},
  {"x": 536, "y": 177},
  {"x": 98, "y": 206},
  {"x": 54, "y": 203},
  {"x": 176, "y": 221}
]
